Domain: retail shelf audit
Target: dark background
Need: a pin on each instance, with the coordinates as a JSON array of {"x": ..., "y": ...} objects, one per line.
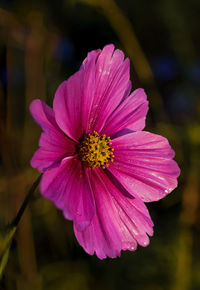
[{"x": 41, "y": 44}]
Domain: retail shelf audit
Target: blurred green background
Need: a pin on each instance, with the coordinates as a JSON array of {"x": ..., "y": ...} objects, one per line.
[{"x": 41, "y": 44}]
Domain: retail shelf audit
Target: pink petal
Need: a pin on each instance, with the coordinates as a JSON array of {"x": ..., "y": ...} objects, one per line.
[
  {"x": 111, "y": 83},
  {"x": 67, "y": 106},
  {"x": 54, "y": 144},
  {"x": 143, "y": 165},
  {"x": 43, "y": 115},
  {"x": 43, "y": 159},
  {"x": 119, "y": 223},
  {"x": 130, "y": 114},
  {"x": 68, "y": 187},
  {"x": 89, "y": 68},
  {"x": 73, "y": 99},
  {"x": 86, "y": 99}
]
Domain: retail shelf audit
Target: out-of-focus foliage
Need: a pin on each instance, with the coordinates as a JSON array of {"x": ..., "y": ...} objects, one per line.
[
  {"x": 5, "y": 243},
  {"x": 41, "y": 44}
]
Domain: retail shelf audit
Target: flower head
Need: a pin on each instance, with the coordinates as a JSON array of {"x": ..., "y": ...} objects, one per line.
[{"x": 98, "y": 166}]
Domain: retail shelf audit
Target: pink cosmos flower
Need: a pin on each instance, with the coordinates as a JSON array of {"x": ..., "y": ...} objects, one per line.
[{"x": 98, "y": 166}]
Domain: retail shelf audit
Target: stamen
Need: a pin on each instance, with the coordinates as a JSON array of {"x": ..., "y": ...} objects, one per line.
[{"x": 95, "y": 151}]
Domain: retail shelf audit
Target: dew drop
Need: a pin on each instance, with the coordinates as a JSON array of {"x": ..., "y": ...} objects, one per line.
[{"x": 168, "y": 190}]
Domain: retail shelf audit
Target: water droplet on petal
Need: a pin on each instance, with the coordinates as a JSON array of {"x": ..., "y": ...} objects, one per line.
[{"x": 168, "y": 190}]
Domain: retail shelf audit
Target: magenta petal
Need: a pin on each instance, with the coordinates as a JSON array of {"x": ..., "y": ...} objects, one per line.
[
  {"x": 88, "y": 98},
  {"x": 88, "y": 90},
  {"x": 79, "y": 201},
  {"x": 43, "y": 159},
  {"x": 43, "y": 115},
  {"x": 67, "y": 106},
  {"x": 68, "y": 187},
  {"x": 130, "y": 114},
  {"x": 111, "y": 83},
  {"x": 119, "y": 223},
  {"x": 143, "y": 165},
  {"x": 54, "y": 144},
  {"x": 74, "y": 97}
]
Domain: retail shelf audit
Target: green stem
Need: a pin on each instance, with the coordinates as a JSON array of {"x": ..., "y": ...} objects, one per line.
[
  {"x": 7, "y": 239},
  {"x": 16, "y": 220}
]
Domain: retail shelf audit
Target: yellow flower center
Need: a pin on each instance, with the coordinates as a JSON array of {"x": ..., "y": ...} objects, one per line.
[{"x": 95, "y": 151}]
